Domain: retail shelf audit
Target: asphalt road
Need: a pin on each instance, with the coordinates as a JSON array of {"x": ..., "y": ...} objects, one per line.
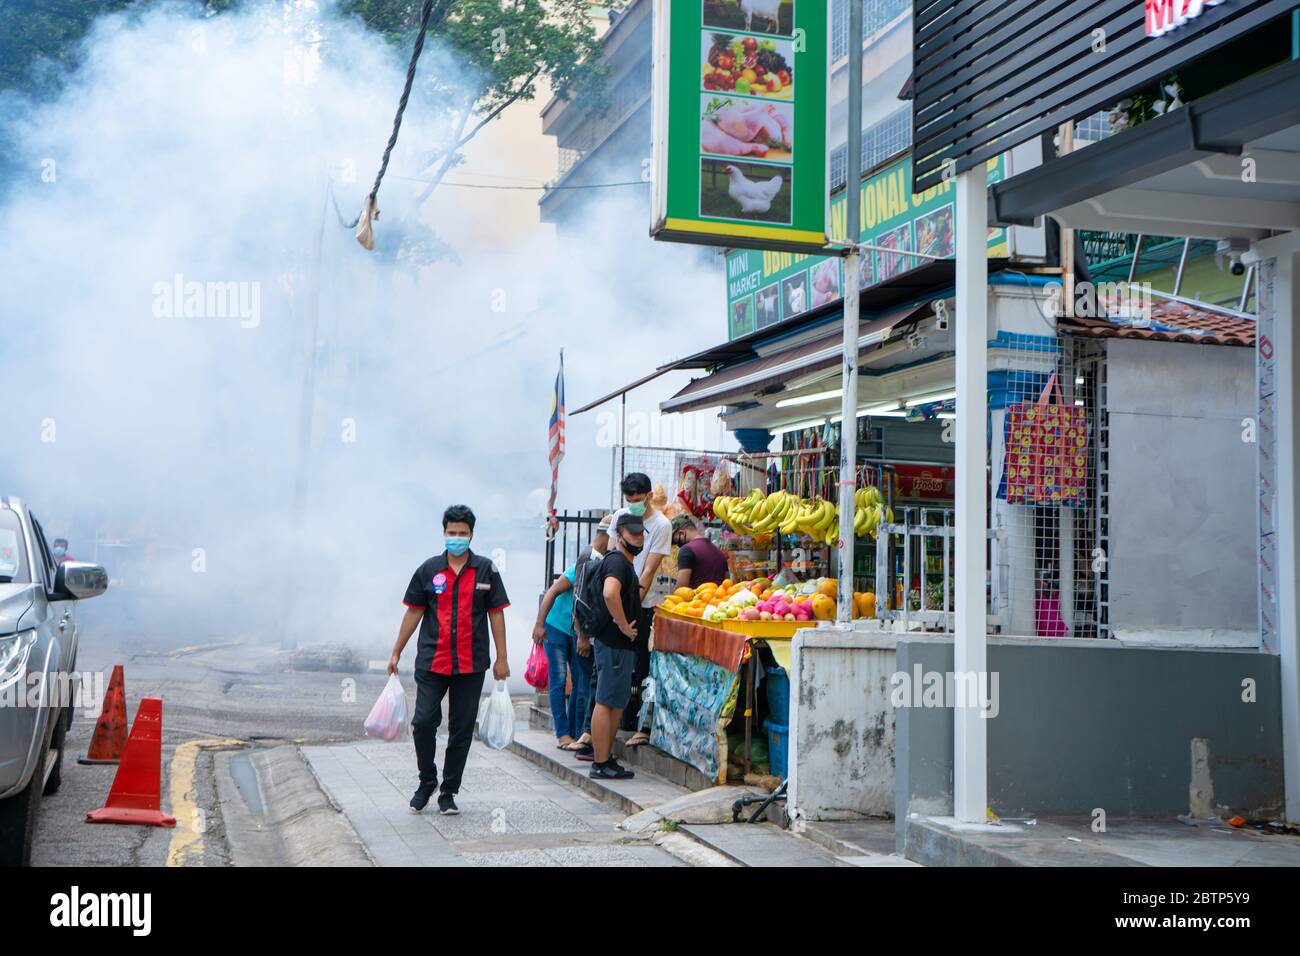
[
  {"x": 221, "y": 698},
  {"x": 232, "y": 694}
]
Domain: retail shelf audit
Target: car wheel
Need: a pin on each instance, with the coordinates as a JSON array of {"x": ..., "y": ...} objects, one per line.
[
  {"x": 18, "y": 819},
  {"x": 56, "y": 744}
]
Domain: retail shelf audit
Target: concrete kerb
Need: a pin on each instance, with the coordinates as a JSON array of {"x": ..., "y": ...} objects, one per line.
[
  {"x": 297, "y": 823},
  {"x": 577, "y": 778}
]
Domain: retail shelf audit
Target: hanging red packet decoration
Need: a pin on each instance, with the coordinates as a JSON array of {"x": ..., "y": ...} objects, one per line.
[{"x": 1047, "y": 450}]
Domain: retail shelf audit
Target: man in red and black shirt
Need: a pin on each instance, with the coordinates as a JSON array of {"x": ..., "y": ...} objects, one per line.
[{"x": 452, "y": 597}]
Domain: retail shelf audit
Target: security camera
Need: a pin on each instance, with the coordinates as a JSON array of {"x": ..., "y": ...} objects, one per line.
[{"x": 1232, "y": 250}]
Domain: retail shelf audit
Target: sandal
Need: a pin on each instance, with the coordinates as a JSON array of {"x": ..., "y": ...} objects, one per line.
[
  {"x": 572, "y": 746},
  {"x": 633, "y": 741}
]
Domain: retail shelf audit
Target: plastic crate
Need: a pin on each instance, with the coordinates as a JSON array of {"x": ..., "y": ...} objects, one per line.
[{"x": 766, "y": 628}]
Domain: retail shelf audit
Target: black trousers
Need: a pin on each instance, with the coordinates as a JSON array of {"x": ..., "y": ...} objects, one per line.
[{"x": 464, "y": 691}]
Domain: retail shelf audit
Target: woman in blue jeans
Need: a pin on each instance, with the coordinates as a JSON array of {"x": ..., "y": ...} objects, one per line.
[{"x": 554, "y": 627}]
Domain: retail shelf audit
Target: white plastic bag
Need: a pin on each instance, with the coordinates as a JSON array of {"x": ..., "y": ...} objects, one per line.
[
  {"x": 496, "y": 722},
  {"x": 387, "y": 719}
]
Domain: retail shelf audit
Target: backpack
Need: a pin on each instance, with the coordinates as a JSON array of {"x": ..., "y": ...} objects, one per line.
[{"x": 590, "y": 614}]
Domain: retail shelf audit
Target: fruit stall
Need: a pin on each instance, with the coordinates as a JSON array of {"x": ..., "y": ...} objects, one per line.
[{"x": 709, "y": 643}]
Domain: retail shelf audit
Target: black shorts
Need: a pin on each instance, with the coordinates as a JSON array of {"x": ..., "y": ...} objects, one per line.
[{"x": 614, "y": 667}]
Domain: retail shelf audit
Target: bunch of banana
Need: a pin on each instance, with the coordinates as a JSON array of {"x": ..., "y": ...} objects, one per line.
[
  {"x": 869, "y": 512},
  {"x": 818, "y": 519},
  {"x": 774, "y": 511},
  {"x": 740, "y": 513}
]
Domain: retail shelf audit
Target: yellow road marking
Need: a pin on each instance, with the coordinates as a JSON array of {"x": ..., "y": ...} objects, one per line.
[{"x": 187, "y": 839}]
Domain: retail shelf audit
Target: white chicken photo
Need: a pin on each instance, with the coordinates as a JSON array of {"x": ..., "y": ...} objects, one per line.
[
  {"x": 745, "y": 191},
  {"x": 794, "y": 294}
]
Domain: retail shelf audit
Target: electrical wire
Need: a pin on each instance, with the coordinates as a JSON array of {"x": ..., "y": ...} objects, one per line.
[
  {"x": 425, "y": 13},
  {"x": 630, "y": 182}
]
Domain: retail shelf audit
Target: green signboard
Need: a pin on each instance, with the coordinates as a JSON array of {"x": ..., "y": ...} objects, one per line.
[
  {"x": 740, "y": 156},
  {"x": 764, "y": 288}
]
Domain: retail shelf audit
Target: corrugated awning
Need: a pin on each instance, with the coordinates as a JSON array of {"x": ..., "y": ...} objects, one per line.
[
  {"x": 743, "y": 381},
  {"x": 928, "y": 279}
]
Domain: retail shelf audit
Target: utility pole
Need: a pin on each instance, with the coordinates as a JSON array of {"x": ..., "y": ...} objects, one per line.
[
  {"x": 307, "y": 405},
  {"x": 849, "y": 373}
]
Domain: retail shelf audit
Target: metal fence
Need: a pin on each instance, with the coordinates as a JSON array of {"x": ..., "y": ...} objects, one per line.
[{"x": 571, "y": 536}]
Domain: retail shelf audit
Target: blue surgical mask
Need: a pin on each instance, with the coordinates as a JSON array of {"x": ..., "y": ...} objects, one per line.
[
  {"x": 456, "y": 546},
  {"x": 637, "y": 508}
]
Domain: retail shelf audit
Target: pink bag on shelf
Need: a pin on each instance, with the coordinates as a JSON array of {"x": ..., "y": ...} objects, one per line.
[
  {"x": 1047, "y": 616},
  {"x": 538, "y": 673}
]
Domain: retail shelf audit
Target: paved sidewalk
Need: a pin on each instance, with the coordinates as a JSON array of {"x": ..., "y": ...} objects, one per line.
[
  {"x": 744, "y": 844},
  {"x": 512, "y": 814}
]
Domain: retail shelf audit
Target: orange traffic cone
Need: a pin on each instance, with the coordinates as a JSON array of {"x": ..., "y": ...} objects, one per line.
[
  {"x": 110, "y": 730},
  {"x": 136, "y": 794}
]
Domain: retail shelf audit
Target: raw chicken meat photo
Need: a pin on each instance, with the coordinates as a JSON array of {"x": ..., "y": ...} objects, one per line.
[
  {"x": 826, "y": 282},
  {"x": 742, "y": 127},
  {"x": 715, "y": 140}
]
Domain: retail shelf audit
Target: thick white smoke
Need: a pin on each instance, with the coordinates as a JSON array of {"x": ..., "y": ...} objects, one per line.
[{"x": 157, "y": 256}]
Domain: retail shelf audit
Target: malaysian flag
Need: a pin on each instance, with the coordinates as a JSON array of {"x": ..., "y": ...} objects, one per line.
[{"x": 555, "y": 450}]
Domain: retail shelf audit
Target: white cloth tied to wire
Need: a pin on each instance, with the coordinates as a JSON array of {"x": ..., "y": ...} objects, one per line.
[{"x": 365, "y": 231}]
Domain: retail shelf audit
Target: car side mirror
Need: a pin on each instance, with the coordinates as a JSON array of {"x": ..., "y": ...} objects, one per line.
[{"x": 75, "y": 580}]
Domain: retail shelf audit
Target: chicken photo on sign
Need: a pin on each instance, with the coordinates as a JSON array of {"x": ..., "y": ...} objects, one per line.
[
  {"x": 752, "y": 16},
  {"x": 745, "y": 191},
  {"x": 767, "y": 302},
  {"x": 794, "y": 294}
]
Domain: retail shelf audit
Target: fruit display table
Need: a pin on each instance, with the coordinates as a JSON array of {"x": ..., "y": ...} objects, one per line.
[{"x": 700, "y": 671}]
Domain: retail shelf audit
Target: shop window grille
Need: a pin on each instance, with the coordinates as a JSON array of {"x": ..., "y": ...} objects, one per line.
[
  {"x": 876, "y": 16},
  {"x": 1093, "y": 129},
  {"x": 880, "y": 142},
  {"x": 1047, "y": 557},
  {"x": 839, "y": 29}
]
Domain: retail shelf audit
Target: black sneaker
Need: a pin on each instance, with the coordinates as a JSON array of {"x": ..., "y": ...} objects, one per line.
[
  {"x": 422, "y": 794},
  {"x": 447, "y": 805},
  {"x": 610, "y": 770}
]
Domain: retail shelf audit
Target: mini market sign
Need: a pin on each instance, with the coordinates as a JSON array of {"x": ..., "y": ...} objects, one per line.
[
  {"x": 740, "y": 102},
  {"x": 767, "y": 287}
]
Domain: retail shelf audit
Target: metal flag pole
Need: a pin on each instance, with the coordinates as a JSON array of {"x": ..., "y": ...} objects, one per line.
[{"x": 849, "y": 373}]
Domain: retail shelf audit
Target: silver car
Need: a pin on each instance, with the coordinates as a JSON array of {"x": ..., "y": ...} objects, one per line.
[{"x": 38, "y": 659}]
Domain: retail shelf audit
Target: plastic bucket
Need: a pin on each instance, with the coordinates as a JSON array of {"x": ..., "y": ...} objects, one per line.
[
  {"x": 777, "y": 683},
  {"x": 778, "y": 742}
]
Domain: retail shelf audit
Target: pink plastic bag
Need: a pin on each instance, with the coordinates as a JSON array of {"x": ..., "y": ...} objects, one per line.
[
  {"x": 538, "y": 672},
  {"x": 1047, "y": 614},
  {"x": 387, "y": 719}
]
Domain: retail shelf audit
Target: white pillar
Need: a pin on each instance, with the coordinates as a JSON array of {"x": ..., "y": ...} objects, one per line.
[
  {"x": 1278, "y": 275},
  {"x": 1287, "y": 344},
  {"x": 970, "y": 745}
]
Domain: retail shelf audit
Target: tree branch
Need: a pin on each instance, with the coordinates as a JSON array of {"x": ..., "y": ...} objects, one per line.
[{"x": 448, "y": 155}]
